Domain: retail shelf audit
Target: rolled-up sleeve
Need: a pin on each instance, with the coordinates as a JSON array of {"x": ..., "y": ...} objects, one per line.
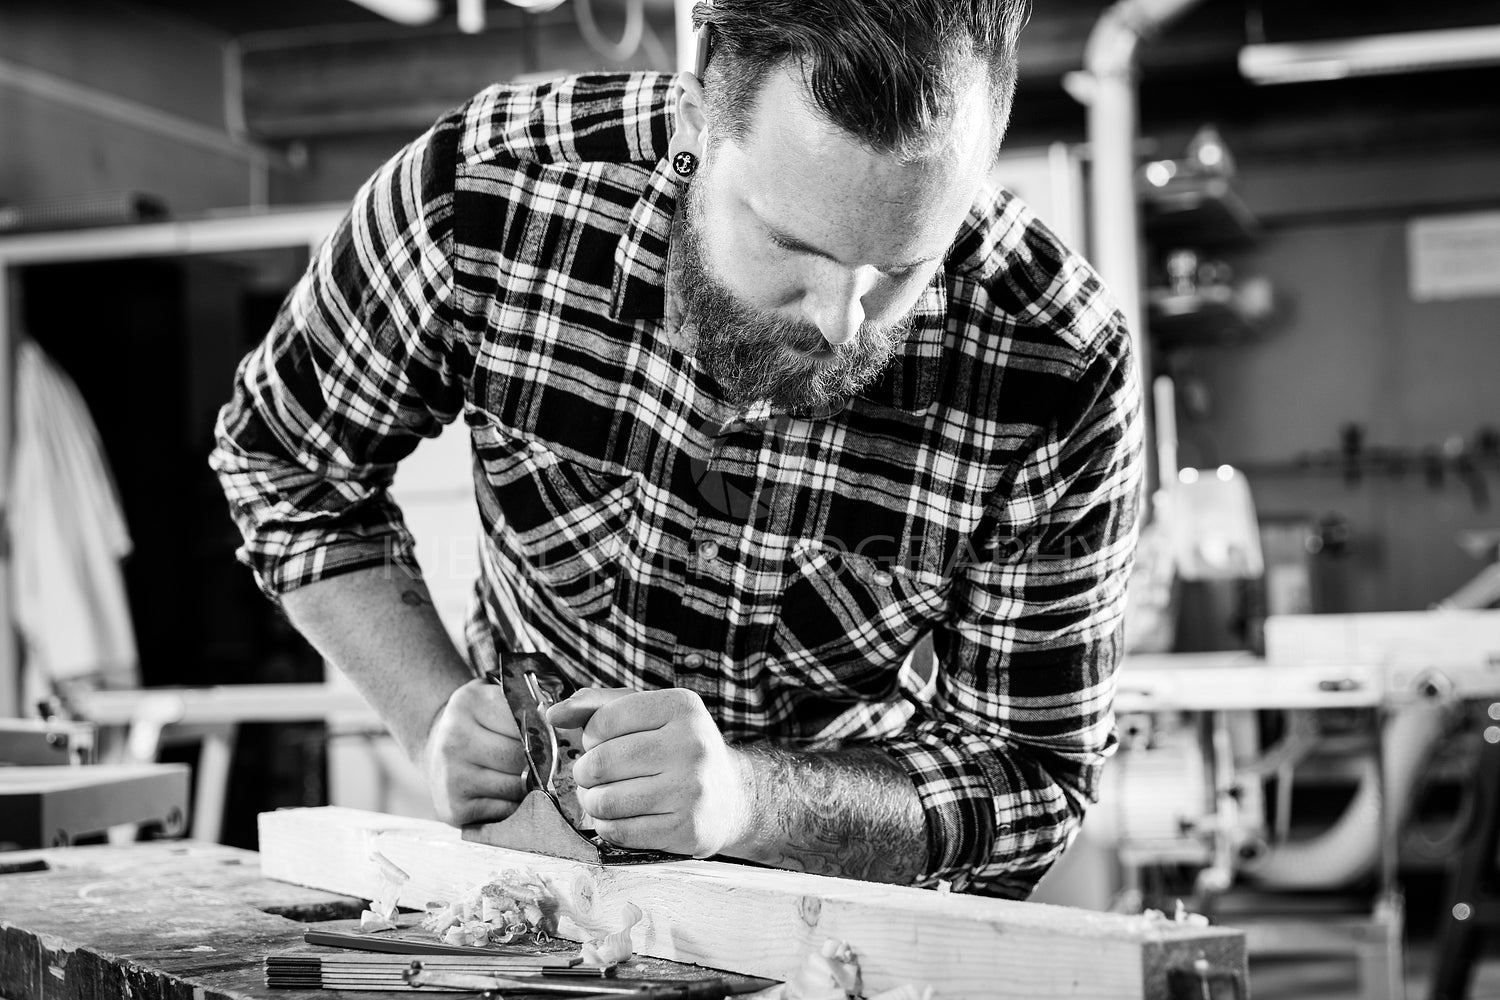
[
  {"x": 1008, "y": 755},
  {"x": 362, "y": 362}
]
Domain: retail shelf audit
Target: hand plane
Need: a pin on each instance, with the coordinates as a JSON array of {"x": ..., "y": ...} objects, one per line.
[{"x": 549, "y": 819}]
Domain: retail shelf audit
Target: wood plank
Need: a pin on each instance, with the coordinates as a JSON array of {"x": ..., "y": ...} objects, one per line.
[
  {"x": 1463, "y": 640},
  {"x": 1209, "y": 682},
  {"x": 765, "y": 922}
]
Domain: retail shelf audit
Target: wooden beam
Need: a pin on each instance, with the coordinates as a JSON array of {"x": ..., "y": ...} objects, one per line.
[
  {"x": 765, "y": 922},
  {"x": 1462, "y": 641}
]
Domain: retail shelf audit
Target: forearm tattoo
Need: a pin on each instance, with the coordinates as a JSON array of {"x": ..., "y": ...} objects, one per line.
[
  {"x": 415, "y": 599},
  {"x": 852, "y": 812}
]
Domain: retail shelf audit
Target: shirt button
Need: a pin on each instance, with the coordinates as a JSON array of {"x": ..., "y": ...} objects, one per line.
[
  {"x": 708, "y": 551},
  {"x": 881, "y": 578},
  {"x": 693, "y": 661}
]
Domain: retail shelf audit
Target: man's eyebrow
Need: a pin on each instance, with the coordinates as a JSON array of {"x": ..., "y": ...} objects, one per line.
[{"x": 791, "y": 242}]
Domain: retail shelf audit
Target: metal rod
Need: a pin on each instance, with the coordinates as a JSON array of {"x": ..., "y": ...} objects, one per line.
[{"x": 417, "y": 976}]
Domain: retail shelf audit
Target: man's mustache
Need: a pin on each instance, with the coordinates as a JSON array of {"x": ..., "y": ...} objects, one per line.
[{"x": 790, "y": 333}]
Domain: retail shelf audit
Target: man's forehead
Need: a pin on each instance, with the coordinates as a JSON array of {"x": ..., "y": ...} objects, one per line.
[
  {"x": 785, "y": 105},
  {"x": 804, "y": 176}
]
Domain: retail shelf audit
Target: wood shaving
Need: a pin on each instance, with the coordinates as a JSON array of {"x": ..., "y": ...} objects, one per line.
[
  {"x": 905, "y": 992},
  {"x": 1181, "y": 916},
  {"x": 371, "y": 922},
  {"x": 510, "y": 905},
  {"x": 615, "y": 947},
  {"x": 832, "y": 973},
  {"x": 381, "y": 913},
  {"x": 513, "y": 904},
  {"x": 388, "y": 868}
]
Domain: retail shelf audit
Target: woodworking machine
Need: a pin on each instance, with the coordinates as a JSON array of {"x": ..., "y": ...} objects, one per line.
[
  {"x": 51, "y": 794},
  {"x": 1189, "y": 789}
]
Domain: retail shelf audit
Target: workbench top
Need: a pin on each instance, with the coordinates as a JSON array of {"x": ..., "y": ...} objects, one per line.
[{"x": 163, "y": 920}]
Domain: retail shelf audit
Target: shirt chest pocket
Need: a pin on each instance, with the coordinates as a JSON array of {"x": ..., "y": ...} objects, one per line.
[
  {"x": 569, "y": 522},
  {"x": 848, "y": 621}
]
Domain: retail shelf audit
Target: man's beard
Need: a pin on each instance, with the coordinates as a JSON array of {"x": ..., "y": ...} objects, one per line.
[{"x": 750, "y": 352}]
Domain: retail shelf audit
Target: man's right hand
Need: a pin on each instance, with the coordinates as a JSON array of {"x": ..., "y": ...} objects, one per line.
[
  {"x": 381, "y": 629},
  {"x": 473, "y": 758}
]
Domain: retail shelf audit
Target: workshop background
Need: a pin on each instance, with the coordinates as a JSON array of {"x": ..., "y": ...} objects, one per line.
[{"x": 1310, "y": 235}]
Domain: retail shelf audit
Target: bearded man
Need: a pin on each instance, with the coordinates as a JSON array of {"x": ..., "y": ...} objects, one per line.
[{"x": 765, "y": 383}]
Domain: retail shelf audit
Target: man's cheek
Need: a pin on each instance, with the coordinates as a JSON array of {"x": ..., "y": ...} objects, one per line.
[
  {"x": 756, "y": 278},
  {"x": 894, "y": 298}
]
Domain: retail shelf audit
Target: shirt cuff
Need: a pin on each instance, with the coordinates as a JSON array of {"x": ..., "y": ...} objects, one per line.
[
  {"x": 295, "y": 560},
  {"x": 957, "y": 798},
  {"x": 996, "y": 818}
]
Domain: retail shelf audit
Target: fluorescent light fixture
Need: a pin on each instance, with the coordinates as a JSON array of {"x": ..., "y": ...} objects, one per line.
[
  {"x": 1371, "y": 55},
  {"x": 405, "y": 11}
]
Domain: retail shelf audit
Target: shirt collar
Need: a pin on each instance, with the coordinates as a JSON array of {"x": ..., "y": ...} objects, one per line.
[{"x": 641, "y": 256}]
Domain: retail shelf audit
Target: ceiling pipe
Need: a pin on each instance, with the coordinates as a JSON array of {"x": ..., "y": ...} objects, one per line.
[
  {"x": 1372, "y": 55},
  {"x": 1107, "y": 86}
]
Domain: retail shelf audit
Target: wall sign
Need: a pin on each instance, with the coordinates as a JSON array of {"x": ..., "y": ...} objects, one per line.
[{"x": 1454, "y": 256}]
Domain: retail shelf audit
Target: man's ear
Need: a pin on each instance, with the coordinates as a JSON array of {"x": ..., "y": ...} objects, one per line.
[{"x": 692, "y": 119}]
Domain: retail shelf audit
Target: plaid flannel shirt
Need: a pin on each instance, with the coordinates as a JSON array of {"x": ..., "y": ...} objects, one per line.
[{"x": 509, "y": 267}]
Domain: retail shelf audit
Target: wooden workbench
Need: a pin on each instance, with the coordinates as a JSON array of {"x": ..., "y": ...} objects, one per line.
[
  {"x": 168, "y": 920},
  {"x": 154, "y": 921}
]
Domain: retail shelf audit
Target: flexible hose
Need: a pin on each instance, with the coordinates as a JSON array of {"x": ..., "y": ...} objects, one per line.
[
  {"x": 1351, "y": 847},
  {"x": 1300, "y": 740}
]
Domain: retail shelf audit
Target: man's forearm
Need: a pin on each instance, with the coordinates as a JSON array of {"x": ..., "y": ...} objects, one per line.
[
  {"x": 853, "y": 813},
  {"x": 380, "y": 628}
]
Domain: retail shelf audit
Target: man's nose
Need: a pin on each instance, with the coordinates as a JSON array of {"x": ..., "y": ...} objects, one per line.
[{"x": 836, "y": 305}]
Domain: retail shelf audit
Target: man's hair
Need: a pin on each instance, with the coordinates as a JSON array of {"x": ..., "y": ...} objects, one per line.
[{"x": 890, "y": 73}]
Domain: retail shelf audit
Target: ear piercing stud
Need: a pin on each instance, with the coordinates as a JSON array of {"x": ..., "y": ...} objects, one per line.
[{"x": 685, "y": 164}]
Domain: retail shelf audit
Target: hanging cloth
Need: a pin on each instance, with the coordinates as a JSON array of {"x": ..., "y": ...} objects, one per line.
[{"x": 68, "y": 536}]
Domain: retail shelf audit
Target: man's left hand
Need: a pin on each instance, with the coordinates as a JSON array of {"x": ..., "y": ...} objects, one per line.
[{"x": 656, "y": 773}]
